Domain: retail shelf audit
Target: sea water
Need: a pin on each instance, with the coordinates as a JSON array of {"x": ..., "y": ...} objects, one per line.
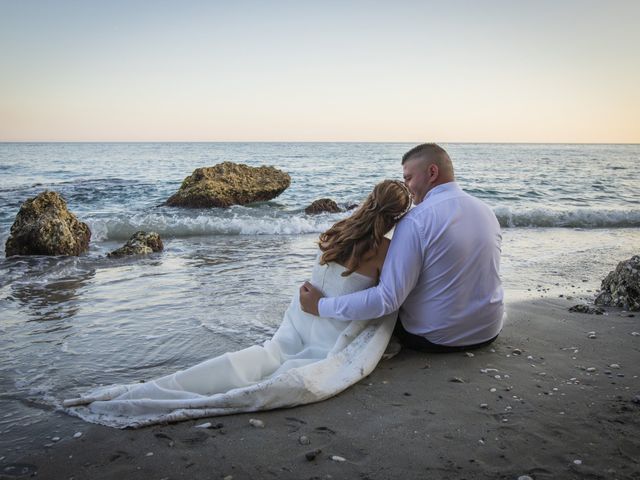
[{"x": 569, "y": 213}]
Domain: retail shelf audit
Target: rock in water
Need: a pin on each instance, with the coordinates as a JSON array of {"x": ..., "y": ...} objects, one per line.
[
  {"x": 140, "y": 243},
  {"x": 621, "y": 288},
  {"x": 229, "y": 184},
  {"x": 44, "y": 226},
  {"x": 322, "y": 205}
]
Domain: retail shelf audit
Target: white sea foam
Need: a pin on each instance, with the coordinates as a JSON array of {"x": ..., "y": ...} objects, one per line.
[
  {"x": 273, "y": 222},
  {"x": 568, "y": 218},
  {"x": 174, "y": 225}
]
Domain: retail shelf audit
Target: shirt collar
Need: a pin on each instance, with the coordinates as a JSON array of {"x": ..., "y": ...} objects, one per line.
[{"x": 445, "y": 187}]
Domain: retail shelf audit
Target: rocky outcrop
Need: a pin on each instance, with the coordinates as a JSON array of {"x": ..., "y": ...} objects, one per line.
[
  {"x": 44, "y": 226},
  {"x": 229, "y": 184},
  {"x": 140, "y": 243},
  {"x": 321, "y": 206},
  {"x": 621, "y": 288}
]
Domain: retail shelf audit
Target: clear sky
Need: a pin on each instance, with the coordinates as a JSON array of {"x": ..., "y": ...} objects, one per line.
[{"x": 448, "y": 71}]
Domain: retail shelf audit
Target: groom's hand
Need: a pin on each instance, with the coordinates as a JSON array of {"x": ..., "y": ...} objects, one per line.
[{"x": 309, "y": 298}]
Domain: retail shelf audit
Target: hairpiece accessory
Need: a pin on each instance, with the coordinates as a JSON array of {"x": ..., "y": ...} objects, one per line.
[{"x": 397, "y": 217}]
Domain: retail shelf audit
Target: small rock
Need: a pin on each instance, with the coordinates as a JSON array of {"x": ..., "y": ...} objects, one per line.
[
  {"x": 456, "y": 380},
  {"x": 337, "y": 458},
  {"x": 635, "y": 334},
  {"x": 524, "y": 477},
  {"x": 516, "y": 351},
  {"x": 140, "y": 243},
  {"x": 322, "y": 205},
  {"x": 484, "y": 406},
  {"x": 149, "y": 454},
  {"x": 304, "y": 440},
  {"x": 312, "y": 455},
  {"x": 591, "y": 369},
  {"x": 204, "y": 425},
  {"x": 55, "y": 439},
  {"x": 256, "y": 423},
  {"x": 614, "y": 365},
  {"x": 636, "y": 399},
  {"x": 228, "y": 477},
  {"x": 488, "y": 370},
  {"x": 77, "y": 435},
  {"x": 577, "y": 462},
  {"x": 592, "y": 336},
  {"x": 493, "y": 390},
  {"x": 586, "y": 309},
  {"x": 469, "y": 354}
]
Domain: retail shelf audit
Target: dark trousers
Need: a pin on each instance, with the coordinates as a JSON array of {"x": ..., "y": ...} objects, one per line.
[{"x": 416, "y": 342}]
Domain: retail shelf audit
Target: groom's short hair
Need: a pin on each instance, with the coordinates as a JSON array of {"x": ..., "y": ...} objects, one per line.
[{"x": 433, "y": 153}]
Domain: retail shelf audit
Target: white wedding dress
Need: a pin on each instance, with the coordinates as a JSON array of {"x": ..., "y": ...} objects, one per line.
[{"x": 308, "y": 359}]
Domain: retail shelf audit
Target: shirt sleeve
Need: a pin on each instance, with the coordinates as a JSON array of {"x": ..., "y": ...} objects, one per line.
[{"x": 399, "y": 276}]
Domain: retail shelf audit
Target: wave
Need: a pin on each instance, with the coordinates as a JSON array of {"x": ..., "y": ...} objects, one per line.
[
  {"x": 269, "y": 221},
  {"x": 570, "y": 218},
  {"x": 174, "y": 225}
]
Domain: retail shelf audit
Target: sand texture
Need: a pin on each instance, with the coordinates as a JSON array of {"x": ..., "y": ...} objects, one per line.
[{"x": 544, "y": 400}]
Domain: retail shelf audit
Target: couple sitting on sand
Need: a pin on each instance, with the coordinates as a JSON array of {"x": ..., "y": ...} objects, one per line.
[{"x": 440, "y": 277}]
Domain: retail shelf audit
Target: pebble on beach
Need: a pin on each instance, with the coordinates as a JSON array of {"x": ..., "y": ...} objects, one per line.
[
  {"x": 77, "y": 435},
  {"x": 337, "y": 458},
  {"x": 204, "y": 425},
  {"x": 304, "y": 440},
  {"x": 312, "y": 454},
  {"x": 256, "y": 423}
]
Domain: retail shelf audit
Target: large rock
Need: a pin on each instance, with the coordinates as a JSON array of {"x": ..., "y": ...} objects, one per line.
[
  {"x": 621, "y": 288},
  {"x": 322, "y": 205},
  {"x": 140, "y": 243},
  {"x": 229, "y": 184},
  {"x": 44, "y": 226}
]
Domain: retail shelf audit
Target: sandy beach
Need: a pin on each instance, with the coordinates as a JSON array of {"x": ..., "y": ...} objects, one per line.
[{"x": 544, "y": 400}]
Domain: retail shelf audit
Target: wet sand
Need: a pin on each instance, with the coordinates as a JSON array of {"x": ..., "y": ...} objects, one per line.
[{"x": 544, "y": 400}]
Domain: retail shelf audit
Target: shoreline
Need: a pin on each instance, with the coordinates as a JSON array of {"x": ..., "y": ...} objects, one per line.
[{"x": 417, "y": 415}]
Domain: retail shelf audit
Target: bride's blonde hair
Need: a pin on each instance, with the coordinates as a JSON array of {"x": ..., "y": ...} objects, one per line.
[{"x": 361, "y": 234}]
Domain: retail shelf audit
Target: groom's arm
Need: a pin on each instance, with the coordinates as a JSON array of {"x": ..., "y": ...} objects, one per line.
[{"x": 400, "y": 274}]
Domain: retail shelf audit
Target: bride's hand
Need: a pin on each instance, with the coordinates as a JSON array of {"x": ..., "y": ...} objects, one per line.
[{"x": 309, "y": 298}]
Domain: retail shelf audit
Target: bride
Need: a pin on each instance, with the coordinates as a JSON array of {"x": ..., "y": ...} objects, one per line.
[{"x": 308, "y": 359}]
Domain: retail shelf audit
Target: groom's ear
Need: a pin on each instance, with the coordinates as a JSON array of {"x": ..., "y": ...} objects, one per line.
[{"x": 433, "y": 171}]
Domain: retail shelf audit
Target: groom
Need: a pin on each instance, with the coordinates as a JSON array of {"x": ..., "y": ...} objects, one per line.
[{"x": 442, "y": 268}]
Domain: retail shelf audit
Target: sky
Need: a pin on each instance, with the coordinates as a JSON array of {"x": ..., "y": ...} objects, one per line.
[{"x": 564, "y": 71}]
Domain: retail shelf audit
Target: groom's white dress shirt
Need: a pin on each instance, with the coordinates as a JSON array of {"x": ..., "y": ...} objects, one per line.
[{"x": 441, "y": 272}]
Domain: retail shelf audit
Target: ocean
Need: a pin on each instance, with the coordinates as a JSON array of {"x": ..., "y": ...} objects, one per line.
[{"x": 569, "y": 214}]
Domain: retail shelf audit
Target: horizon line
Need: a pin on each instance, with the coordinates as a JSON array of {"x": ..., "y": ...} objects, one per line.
[{"x": 319, "y": 141}]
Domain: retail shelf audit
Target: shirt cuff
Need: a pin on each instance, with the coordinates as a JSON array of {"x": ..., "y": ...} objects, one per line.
[{"x": 325, "y": 307}]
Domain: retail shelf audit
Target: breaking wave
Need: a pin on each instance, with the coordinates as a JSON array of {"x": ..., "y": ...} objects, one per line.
[
  {"x": 569, "y": 218},
  {"x": 276, "y": 222}
]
